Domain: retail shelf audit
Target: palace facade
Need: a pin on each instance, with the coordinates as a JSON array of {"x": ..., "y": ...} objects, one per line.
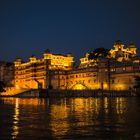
[
  {"x": 115, "y": 72},
  {"x": 35, "y": 72}
]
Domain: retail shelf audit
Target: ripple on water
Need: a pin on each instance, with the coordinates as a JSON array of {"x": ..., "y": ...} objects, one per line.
[{"x": 74, "y": 118}]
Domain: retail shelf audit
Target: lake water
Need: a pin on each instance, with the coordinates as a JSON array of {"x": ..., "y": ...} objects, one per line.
[{"x": 70, "y": 118}]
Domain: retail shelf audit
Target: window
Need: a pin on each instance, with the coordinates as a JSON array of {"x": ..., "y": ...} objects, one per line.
[
  {"x": 113, "y": 82},
  {"x": 124, "y": 69}
]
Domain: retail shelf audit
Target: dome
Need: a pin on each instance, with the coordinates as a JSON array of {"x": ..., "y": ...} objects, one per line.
[
  {"x": 18, "y": 59},
  {"x": 118, "y": 42},
  {"x": 132, "y": 45},
  {"x": 69, "y": 55}
]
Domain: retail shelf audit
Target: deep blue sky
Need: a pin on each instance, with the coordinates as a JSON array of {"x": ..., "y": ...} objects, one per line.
[{"x": 78, "y": 26}]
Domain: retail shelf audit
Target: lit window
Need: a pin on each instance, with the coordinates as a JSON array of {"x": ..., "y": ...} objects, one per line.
[{"x": 124, "y": 69}]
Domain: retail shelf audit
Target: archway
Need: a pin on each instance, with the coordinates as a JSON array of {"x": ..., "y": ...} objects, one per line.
[{"x": 79, "y": 87}]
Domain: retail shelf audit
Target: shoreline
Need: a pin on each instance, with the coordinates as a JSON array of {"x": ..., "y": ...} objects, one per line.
[
  {"x": 83, "y": 93},
  {"x": 45, "y": 93}
]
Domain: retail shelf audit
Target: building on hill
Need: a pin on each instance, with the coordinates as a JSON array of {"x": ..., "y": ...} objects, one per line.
[
  {"x": 107, "y": 75},
  {"x": 118, "y": 52},
  {"x": 121, "y": 53},
  {"x": 115, "y": 71},
  {"x": 36, "y": 71}
]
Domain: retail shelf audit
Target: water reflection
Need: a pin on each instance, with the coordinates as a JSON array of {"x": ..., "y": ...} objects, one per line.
[
  {"x": 16, "y": 120},
  {"x": 106, "y": 105},
  {"x": 69, "y": 118},
  {"x": 120, "y": 105},
  {"x": 59, "y": 119}
]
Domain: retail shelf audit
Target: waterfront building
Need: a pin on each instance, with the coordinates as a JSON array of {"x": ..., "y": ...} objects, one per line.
[
  {"x": 119, "y": 52},
  {"x": 35, "y": 73},
  {"x": 117, "y": 71}
]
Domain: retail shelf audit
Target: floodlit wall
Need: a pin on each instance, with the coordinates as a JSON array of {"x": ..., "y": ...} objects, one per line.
[
  {"x": 57, "y": 72},
  {"x": 35, "y": 72}
]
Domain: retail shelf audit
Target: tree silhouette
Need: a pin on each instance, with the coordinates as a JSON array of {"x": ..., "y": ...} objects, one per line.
[
  {"x": 137, "y": 79},
  {"x": 137, "y": 85},
  {"x": 99, "y": 53},
  {"x": 2, "y": 85}
]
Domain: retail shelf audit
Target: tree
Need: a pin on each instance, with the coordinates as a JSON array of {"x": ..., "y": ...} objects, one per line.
[
  {"x": 99, "y": 53},
  {"x": 2, "y": 85},
  {"x": 137, "y": 85},
  {"x": 102, "y": 53}
]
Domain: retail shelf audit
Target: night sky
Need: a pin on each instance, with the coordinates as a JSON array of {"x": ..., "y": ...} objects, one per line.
[{"x": 65, "y": 26}]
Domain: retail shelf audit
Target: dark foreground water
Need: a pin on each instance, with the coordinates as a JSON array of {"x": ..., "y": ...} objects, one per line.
[{"x": 74, "y": 118}]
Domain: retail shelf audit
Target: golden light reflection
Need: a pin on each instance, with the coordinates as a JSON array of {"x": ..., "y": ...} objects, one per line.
[
  {"x": 16, "y": 120},
  {"x": 120, "y": 105},
  {"x": 83, "y": 111},
  {"x": 78, "y": 104},
  {"x": 66, "y": 114},
  {"x": 106, "y": 105},
  {"x": 25, "y": 101},
  {"x": 58, "y": 113}
]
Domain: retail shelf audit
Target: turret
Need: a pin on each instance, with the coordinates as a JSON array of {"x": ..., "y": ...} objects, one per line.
[
  {"x": 132, "y": 47},
  {"x": 18, "y": 61},
  {"x": 47, "y": 54},
  {"x": 69, "y": 55},
  {"x": 32, "y": 59},
  {"x": 118, "y": 45}
]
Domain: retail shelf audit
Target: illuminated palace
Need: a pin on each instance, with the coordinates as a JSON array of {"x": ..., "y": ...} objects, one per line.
[{"x": 117, "y": 71}]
